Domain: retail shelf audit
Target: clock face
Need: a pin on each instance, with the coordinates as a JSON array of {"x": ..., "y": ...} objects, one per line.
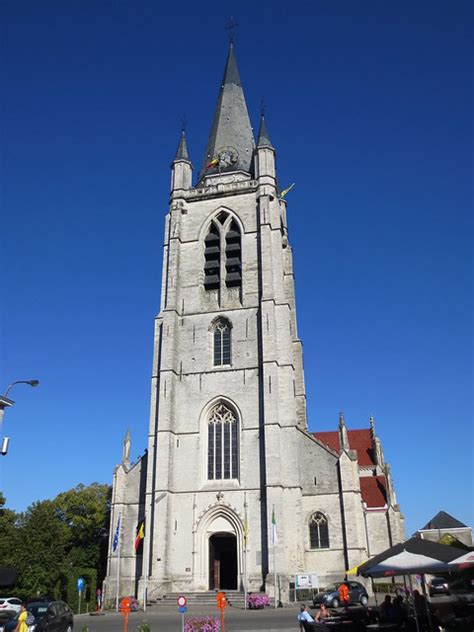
[{"x": 227, "y": 157}]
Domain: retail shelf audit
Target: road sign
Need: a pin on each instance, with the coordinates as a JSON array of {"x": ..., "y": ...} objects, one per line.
[
  {"x": 80, "y": 584},
  {"x": 182, "y": 609},
  {"x": 182, "y": 601}
]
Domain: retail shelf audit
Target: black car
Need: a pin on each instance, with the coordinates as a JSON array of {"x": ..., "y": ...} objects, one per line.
[
  {"x": 438, "y": 586},
  {"x": 330, "y": 596},
  {"x": 50, "y": 616}
]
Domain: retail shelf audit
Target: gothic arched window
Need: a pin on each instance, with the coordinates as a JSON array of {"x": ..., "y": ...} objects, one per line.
[
  {"x": 212, "y": 256},
  {"x": 318, "y": 531},
  {"x": 233, "y": 256},
  {"x": 222, "y": 443},
  {"x": 223, "y": 253},
  {"x": 222, "y": 342}
]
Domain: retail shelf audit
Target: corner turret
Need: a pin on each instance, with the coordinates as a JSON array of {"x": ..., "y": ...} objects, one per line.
[
  {"x": 181, "y": 168},
  {"x": 265, "y": 155}
]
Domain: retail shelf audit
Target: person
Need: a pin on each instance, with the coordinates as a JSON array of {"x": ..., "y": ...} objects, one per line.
[
  {"x": 386, "y": 610},
  {"x": 304, "y": 616},
  {"x": 399, "y": 611},
  {"x": 22, "y": 626},
  {"x": 323, "y": 613},
  {"x": 343, "y": 591}
]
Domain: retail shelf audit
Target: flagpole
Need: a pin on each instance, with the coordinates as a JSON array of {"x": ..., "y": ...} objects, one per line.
[
  {"x": 246, "y": 530},
  {"x": 117, "y": 574},
  {"x": 274, "y": 537}
]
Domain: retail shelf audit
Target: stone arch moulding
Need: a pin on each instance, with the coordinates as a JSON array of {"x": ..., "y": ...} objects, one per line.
[
  {"x": 217, "y": 319},
  {"x": 212, "y": 217},
  {"x": 219, "y": 513}
]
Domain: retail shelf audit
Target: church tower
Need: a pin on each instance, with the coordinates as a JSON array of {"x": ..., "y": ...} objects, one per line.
[
  {"x": 227, "y": 389},
  {"x": 230, "y": 465}
]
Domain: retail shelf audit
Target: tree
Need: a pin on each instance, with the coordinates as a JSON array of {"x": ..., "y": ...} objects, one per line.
[
  {"x": 40, "y": 551},
  {"x": 85, "y": 512}
]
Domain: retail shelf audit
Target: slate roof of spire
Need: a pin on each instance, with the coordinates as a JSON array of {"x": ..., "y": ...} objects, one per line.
[
  {"x": 263, "y": 135},
  {"x": 182, "y": 151},
  {"x": 443, "y": 520},
  {"x": 231, "y": 129}
]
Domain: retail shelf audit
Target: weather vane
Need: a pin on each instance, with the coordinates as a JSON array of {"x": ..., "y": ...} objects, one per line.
[
  {"x": 262, "y": 108},
  {"x": 184, "y": 122},
  {"x": 231, "y": 27}
]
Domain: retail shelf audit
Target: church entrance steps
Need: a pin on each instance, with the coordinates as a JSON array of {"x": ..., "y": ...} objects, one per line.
[{"x": 235, "y": 598}]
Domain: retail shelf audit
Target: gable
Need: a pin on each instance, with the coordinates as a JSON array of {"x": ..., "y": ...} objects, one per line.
[{"x": 443, "y": 520}]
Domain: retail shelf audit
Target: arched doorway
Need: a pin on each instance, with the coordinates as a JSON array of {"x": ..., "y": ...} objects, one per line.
[{"x": 223, "y": 561}]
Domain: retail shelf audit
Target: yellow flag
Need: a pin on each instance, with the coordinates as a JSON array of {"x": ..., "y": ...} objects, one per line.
[{"x": 287, "y": 190}]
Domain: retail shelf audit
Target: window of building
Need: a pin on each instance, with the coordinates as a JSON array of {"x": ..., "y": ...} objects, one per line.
[
  {"x": 212, "y": 259},
  {"x": 223, "y": 253},
  {"x": 233, "y": 257},
  {"x": 222, "y": 342},
  {"x": 318, "y": 531},
  {"x": 223, "y": 448}
]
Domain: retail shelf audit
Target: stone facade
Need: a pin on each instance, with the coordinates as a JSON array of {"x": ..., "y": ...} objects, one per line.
[{"x": 207, "y": 489}]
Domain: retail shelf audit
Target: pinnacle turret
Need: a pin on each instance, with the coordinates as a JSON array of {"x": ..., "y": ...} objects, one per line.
[
  {"x": 182, "y": 151},
  {"x": 263, "y": 135}
]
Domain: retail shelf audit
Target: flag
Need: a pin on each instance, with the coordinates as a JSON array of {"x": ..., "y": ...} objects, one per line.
[
  {"x": 140, "y": 534},
  {"x": 214, "y": 162},
  {"x": 274, "y": 527},
  {"x": 246, "y": 530},
  {"x": 287, "y": 190},
  {"x": 116, "y": 536}
]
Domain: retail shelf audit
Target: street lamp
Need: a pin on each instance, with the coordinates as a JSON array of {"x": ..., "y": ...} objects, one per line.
[{"x": 5, "y": 402}]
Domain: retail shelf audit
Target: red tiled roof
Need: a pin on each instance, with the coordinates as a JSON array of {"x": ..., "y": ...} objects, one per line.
[
  {"x": 359, "y": 440},
  {"x": 373, "y": 490},
  {"x": 329, "y": 438}
]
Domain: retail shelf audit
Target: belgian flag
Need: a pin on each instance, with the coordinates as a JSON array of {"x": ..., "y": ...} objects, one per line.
[{"x": 140, "y": 535}]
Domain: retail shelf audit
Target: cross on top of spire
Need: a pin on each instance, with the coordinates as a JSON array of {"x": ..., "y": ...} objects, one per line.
[{"x": 231, "y": 26}]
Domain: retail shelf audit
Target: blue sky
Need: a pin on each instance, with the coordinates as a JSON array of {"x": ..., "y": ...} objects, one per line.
[{"x": 369, "y": 107}]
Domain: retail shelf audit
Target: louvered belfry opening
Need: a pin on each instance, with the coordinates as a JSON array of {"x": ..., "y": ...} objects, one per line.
[
  {"x": 212, "y": 256},
  {"x": 233, "y": 254}
]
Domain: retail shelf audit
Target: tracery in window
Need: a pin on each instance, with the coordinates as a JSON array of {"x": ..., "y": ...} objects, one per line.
[
  {"x": 318, "y": 531},
  {"x": 223, "y": 448},
  {"x": 222, "y": 342}
]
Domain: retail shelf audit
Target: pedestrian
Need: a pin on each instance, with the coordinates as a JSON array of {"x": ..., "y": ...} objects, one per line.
[
  {"x": 343, "y": 591},
  {"x": 22, "y": 625},
  {"x": 304, "y": 616}
]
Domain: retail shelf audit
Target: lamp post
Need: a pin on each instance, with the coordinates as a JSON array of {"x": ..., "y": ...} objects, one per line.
[{"x": 5, "y": 402}]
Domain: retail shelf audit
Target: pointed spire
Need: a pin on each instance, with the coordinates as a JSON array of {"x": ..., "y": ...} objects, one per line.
[
  {"x": 231, "y": 141},
  {"x": 231, "y": 72},
  {"x": 182, "y": 151},
  {"x": 263, "y": 135}
]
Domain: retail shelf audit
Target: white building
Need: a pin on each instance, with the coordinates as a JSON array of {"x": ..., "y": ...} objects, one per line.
[{"x": 228, "y": 443}]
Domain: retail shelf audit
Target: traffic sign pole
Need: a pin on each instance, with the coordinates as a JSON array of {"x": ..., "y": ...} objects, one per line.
[{"x": 182, "y": 601}]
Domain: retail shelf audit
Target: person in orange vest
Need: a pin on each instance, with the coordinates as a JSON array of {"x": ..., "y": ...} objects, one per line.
[{"x": 343, "y": 591}]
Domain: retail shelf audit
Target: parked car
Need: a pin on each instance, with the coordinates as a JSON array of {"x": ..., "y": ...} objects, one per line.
[
  {"x": 438, "y": 586},
  {"x": 10, "y": 603},
  {"x": 330, "y": 595},
  {"x": 50, "y": 616}
]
